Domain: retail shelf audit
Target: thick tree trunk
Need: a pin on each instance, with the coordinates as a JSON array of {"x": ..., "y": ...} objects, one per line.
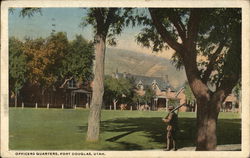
[
  {"x": 207, "y": 115},
  {"x": 98, "y": 90},
  {"x": 208, "y": 103},
  {"x": 207, "y": 107}
]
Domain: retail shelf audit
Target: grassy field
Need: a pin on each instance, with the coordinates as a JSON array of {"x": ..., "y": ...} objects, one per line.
[{"x": 58, "y": 129}]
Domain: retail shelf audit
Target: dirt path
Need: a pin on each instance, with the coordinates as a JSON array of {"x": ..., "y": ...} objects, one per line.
[{"x": 228, "y": 147}]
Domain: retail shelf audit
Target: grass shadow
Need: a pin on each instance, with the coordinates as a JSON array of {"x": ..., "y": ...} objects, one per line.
[
  {"x": 153, "y": 128},
  {"x": 228, "y": 130}
]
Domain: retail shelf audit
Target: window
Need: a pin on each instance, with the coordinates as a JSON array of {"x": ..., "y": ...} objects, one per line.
[{"x": 72, "y": 83}]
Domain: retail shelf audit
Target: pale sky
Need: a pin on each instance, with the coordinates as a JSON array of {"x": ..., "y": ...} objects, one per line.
[{"x": 68, "y": 20}]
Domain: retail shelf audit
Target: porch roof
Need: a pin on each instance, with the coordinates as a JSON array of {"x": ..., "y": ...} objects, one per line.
[{"x": 81, "y": 91}]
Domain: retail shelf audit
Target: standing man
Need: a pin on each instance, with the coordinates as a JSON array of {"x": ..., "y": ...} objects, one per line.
[{"x": 172, "y": 125}]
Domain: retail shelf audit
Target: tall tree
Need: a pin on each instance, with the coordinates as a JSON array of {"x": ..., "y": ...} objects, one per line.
[
  {"x": 56, "y": 48},
  {"x": 44, "y": 56},
  {"x": 107, "y": 22},
  {"x": 17, "y": 66},
  {"x": 216, "y": 40}
]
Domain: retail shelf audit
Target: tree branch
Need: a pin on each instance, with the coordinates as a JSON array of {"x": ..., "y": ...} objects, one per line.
[
  {"x": 218, "y": 81},
  {"x": 212, "y": 60},
  {"x": 98, "y": 13},
  {"x": 115, "y": 101},
  {"x": 228, "y": 83},
  {"x": 229, "y": 80},
  {"x": 232, "y": 66},
  {"x": 163, "y": 32},
  {"x": 66, "y": 80},
  {"x": 109, "y": 19},
  {"x": 175, "y": 19},
  {"x": 193, "y": 27}
]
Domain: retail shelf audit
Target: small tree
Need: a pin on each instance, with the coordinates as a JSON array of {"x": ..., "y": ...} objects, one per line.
[
  {"x": 149, "y": 95},
  {"x": 117, "y": 90},
  {"x": 138, "y": 99}
]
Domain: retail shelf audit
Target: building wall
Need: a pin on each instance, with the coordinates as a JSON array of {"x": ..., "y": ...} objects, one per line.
[{"x": 30, "y": 95}]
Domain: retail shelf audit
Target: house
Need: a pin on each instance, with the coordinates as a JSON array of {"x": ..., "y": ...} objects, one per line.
[
  {"x": 71, "y": 93},
  {"x": 76, "y": 94},
  {"x": 230, "y": 104},
  {"x": 164, "y": 92}
]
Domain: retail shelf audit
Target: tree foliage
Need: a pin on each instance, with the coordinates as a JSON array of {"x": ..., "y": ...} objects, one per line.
[
  {"x": 117, "y": 89},
  {"x": 210, "y": 52},
  {"x": 78, "y": 61},
  {"x": 149, "y": 95},
  {"x": 188, "y": 92},
  {"x": 138, "y": 99},
  {"x": 237, "y": 91},
  {"x": 47, "y": 62},
  {"x": 17, "y": 65},
  {"x": 29, "y": 12},
  {"x": 109, "y": 22},
  {"x": 44, "y": 58},
  {"x": 218, "y": 39}
]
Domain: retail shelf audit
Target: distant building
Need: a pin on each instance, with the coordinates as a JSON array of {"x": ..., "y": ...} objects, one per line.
[
  {"x": 70, "y": 93},
  {"x": 76, "y": 94},
  {"x": 230, "y": 104},
  {"x": 164, "y": 92}
]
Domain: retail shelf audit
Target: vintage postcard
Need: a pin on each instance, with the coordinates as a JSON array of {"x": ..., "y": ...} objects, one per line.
[{"x": 125, "y": 78}]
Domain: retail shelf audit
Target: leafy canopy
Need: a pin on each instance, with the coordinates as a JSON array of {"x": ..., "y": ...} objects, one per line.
[
  {"x": 78, "y": 61},
  {"x": 44, "y": 58},
  {"x": 107, "y": 22},
  {"x": 217, "y": 47},
  {"x": 17, "y": 65},
  {"x": 47, "y": 62},
  {"x": 119, "y": 89}
]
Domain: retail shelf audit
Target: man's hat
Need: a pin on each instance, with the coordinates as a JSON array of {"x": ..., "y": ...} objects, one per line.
[{"x": 170, "y": 107}]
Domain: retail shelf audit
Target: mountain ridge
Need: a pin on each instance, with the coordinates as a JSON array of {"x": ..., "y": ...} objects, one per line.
[{"x": 142, "y": 64}]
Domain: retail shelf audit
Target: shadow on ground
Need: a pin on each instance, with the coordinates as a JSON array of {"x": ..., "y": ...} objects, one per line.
[
  {"x": 228, "y": 131},
  {"x": 153, "y": 128}
]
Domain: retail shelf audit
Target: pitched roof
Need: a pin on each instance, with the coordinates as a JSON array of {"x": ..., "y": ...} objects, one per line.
[{"x": 147, "y": 81}]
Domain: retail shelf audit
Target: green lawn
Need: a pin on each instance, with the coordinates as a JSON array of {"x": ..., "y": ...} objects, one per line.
[{"x": 57, "y": 129}]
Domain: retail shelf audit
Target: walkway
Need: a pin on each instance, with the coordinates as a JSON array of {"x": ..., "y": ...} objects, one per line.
[{"x": 229, "y": 147}]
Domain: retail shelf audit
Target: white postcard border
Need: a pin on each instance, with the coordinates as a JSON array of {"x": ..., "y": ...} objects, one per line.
[{"x": 244, "y": 4}]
